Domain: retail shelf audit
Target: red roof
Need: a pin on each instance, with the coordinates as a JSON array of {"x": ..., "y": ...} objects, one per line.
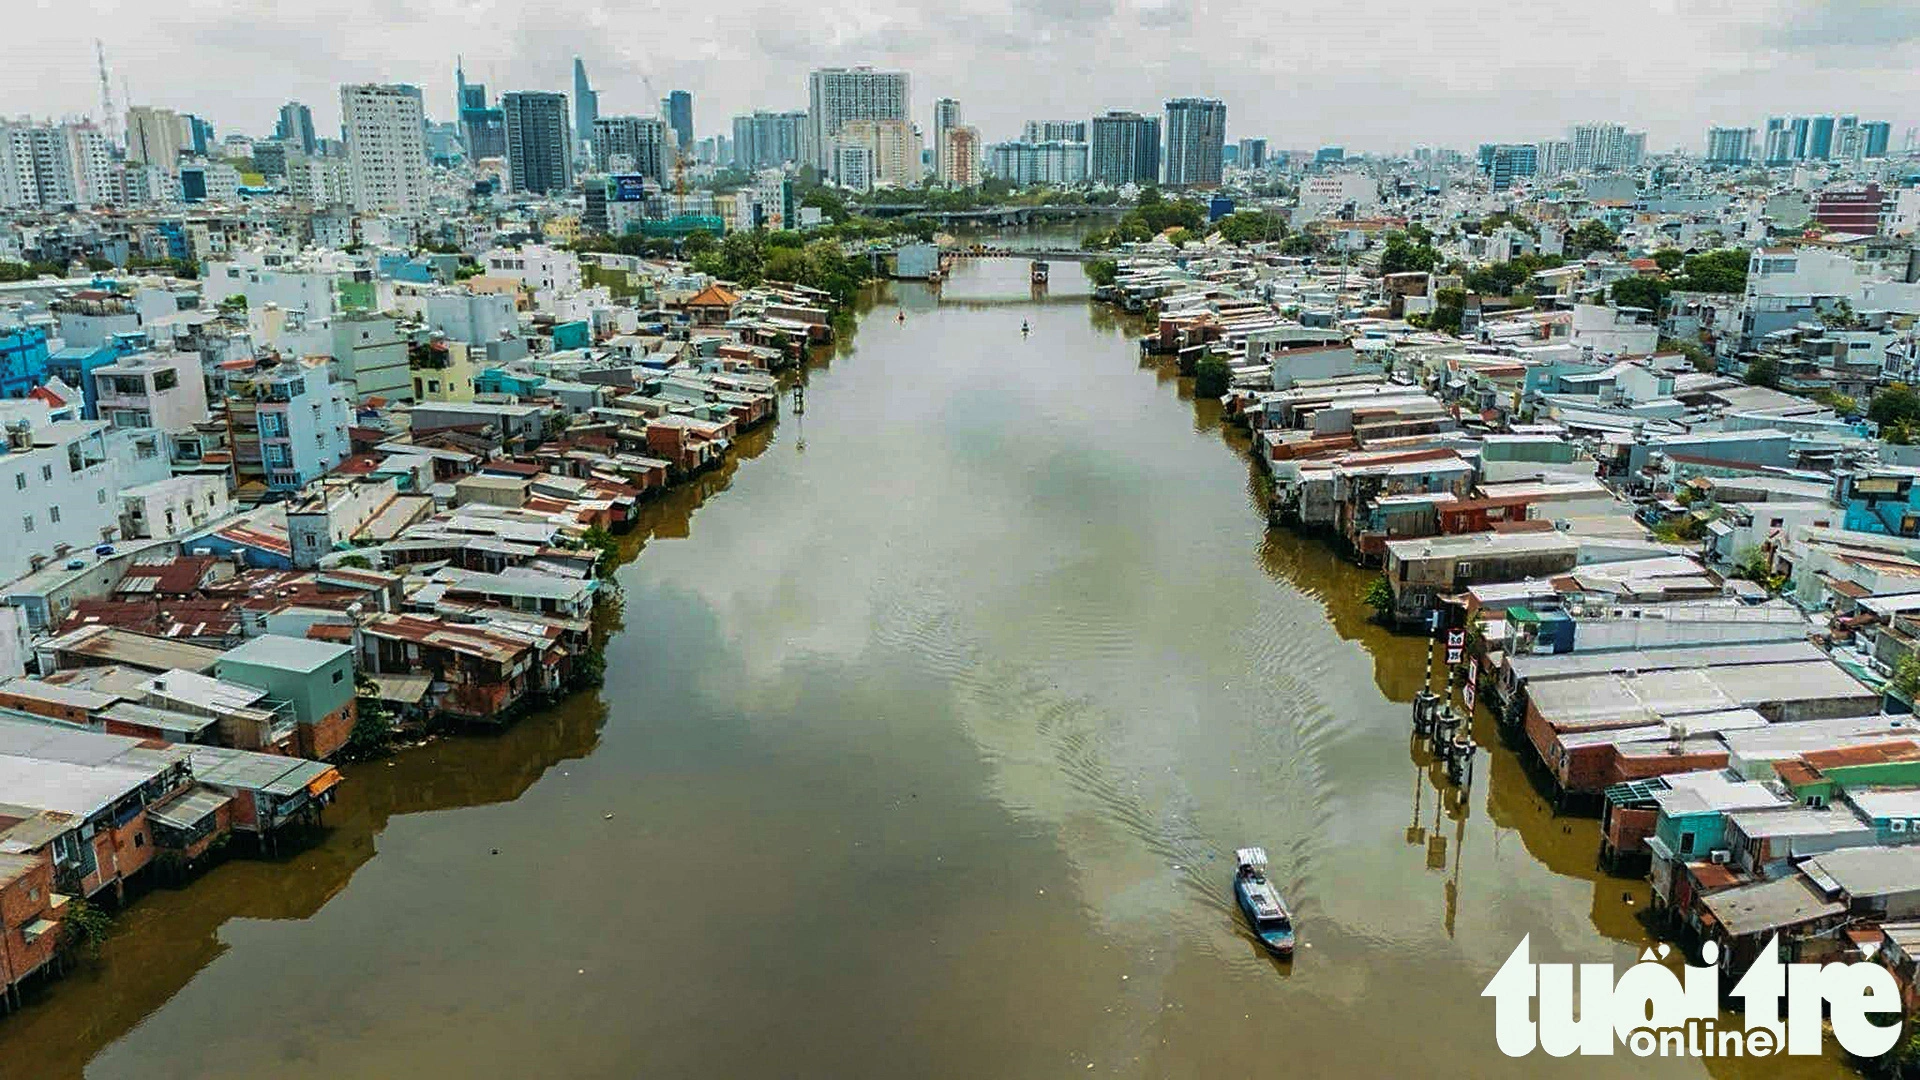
[
  {"x": 712, "y": 296},
  {"x": 41, "y": 393}
]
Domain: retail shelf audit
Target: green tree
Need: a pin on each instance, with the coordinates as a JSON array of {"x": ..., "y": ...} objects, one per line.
[
  {"x": 372, "y": 734},
  {"x": 1251, "y": 227},
  {"x": 1906, "y": 677},
  {"x": 1751, "y": 564},
  {"x": 1180, "y": 237},
  {"x": 1764, "y": 371},
  {"x": 355, "y": 562},
  {"x": 1403, "y": 255},
  {"x": 1101, "y": 271},
  {"x": 1692, "y": 350},
  {"x": 697, "y": 243},
  {"x": 1448, "y": 307},
  {"x": 602, "y": 541},
  {"x": 1640, "y": 292},
  {"x": 1211, "y": 377},
  {"x": 1669, "y": 259},
  {"x": 1592, "y": 235},
  {"x": 1379, "y": 596},
  {"x": 89, "y": 925},
  {"x": 1723, "y": 271},
  {"x": 1896, "y": 404}
]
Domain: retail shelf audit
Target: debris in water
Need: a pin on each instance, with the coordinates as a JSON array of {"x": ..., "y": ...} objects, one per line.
[{"x": 609, "y": 817}]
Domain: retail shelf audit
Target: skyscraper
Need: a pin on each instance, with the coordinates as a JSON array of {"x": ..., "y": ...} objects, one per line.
[
  {"x": 1607, "y": 146},
  {"x": 946, "y": 117},
  {"x": 539, "y": 152},
  {"x": 386, "y": 147},
  {"x": 637, "y": 144},
  {"x": 1729, "y": 146},
  {"x": 1800, "y": 128},
  {"x": 680, "y": 118},
  {"x": 1253, "y": 153},
  {"x": 766, "y": 140},
  {"x": 837, "y": 95},
  {"x": 156, "y": 137},
  {"x": 962, "y": 166},
  {"x": 891, "y": 150},
  {"x": 1125, "y": 149},
  {"x": 295, "y": 127},
  {"x": 1820, "y": 138},
  {"x": 1877, "y": 132},
  {"x": 586, "y": 104},
  {"x": 1054, "y": 131},
  {"x": 1196, "y": 131}
]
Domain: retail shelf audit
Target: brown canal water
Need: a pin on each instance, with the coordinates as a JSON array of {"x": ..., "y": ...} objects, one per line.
[{"x": 929, "y": 733}]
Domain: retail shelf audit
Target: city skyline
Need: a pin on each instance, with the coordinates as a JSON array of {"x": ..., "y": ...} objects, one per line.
[{"x": 1787, "y": 57}]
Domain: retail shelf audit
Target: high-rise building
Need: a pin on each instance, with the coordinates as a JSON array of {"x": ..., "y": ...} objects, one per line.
[
  {"x": 385, "y": 128},
  {"x": 1196, "y": 130},
  {"x": 1820, "y": 138},
  {"x": 961, "y": 166},
  {"x": 539, "y": 150},
  {"x": 1125, "y": 149},
  {"x": 946, "y": 117},
  {"x": 1552, "y": 157},
  {"x": 1729, "y": 146},
  {"x": 1506, "y": 162},
  {"x": 1054, "y": 131},
  {"x": 893, "y": 151},
  {"x": 1058, "y": 164},
  {"x": 631, "y": 144},
  {"x": 586, "y": 104},
  {"x": 157, "y": 137},
  {"x": 1607, "y": 146},
  {"x": 1253, "y": 154},
  {"x": 1876, "y": 133},
  {"x": 49, "y": 165},
  {"x": 837, "y": 95},
  {"x": 295, "y": 127},
  {"x": 766, "y": 140},
  {"x": 1801, "y": 129},
  {"x": 199, "y": 133},
  {"x": 1776, "y": 146},
  {"x": 680, "y": 118}
]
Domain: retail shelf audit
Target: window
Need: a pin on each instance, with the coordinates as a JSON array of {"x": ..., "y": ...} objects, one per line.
[
  {"x": 166, "y": 380},
  {"x": 46, "y": 472},
  {"x": 20, "y": 480},
  {"x": 26, "y": 523},
  {"x": 1686, "y": 843},
  {"x": 100, "y": 496},
  {"x": 53, "y": 515},
  {"x": 336, "y": 675},
  {"x": 139, "y": 839}
]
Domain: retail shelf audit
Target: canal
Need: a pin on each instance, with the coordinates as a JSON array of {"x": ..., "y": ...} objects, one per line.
[{"x": 930, "y": 729}]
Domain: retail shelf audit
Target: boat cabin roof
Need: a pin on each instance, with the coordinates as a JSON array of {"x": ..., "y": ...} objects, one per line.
[
  {"x": 1265, "y": 901},
  {"x": 1250, "y": 856}
]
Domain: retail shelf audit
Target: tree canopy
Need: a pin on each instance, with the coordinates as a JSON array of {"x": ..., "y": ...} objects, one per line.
[
  {"x": 1404, "y": 254},
  {"x": 1640, "y": 292},
  {"x": 1592, "y": 235},
  {"x": 1723, "y": 271}
]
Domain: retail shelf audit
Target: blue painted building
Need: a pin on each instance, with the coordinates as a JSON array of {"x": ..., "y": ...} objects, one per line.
[
  {"x": 75, "y": 365},
  {"x": 572, "y": 335},
  {"x": 23, "y": 359},
  {"x": 499, "y": 381},
  {"x": 1882, "y": 500}
]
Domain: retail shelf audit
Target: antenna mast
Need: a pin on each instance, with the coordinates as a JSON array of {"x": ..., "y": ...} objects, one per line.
[{"x": 109, "y": 119}]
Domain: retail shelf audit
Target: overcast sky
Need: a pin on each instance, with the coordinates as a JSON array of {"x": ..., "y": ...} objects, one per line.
[{"x": 1369, "y": 74}]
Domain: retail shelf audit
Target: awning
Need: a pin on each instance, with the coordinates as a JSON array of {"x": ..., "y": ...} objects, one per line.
[
  {"x": 190, "y": 809},
  {"x": 38, "y": 929},
  {"x": 402, "y": 689},
  {"x": 323, "y": 783}
]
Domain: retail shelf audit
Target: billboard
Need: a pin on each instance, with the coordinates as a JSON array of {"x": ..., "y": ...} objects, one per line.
[{"x": 631, "y": 187}]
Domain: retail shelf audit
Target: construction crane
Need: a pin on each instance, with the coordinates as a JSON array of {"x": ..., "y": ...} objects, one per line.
[{"x": 108, "y": 118}]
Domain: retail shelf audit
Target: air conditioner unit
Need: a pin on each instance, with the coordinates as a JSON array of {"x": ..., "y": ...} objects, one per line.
[
  {"x": 1897, "y": 825},
  {"x": 1720, "y": 856}
]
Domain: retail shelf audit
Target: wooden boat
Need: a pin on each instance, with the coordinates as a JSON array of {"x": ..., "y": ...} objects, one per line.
[{"x": 1260, "y": 902}]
